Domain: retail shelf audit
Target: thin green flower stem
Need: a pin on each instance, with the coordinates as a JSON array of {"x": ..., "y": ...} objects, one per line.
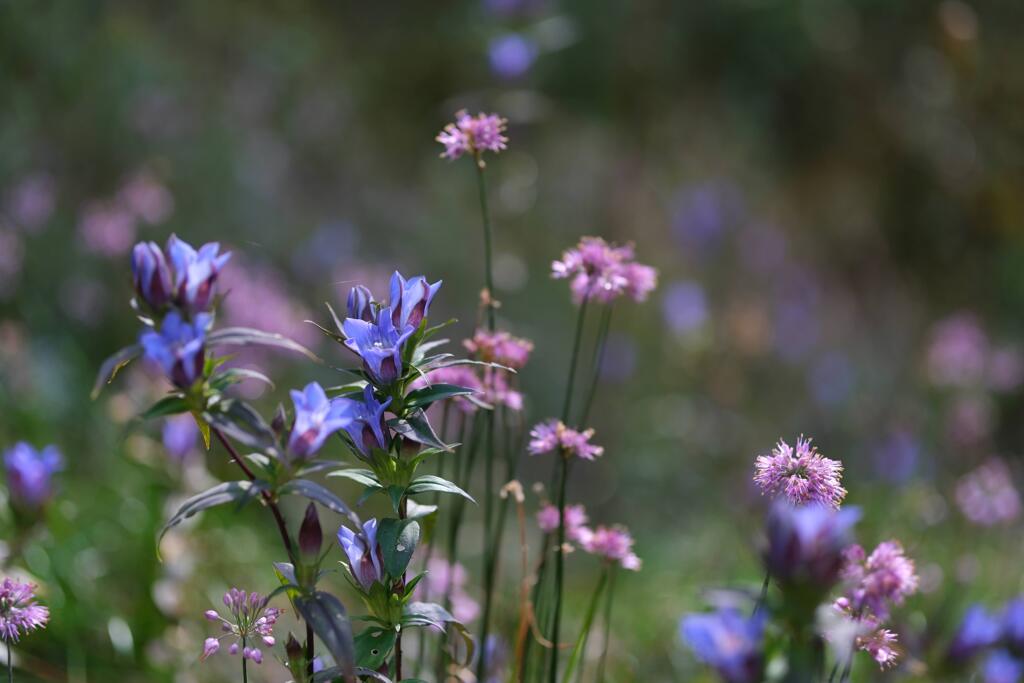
[
  {"x": 567, "y": 403},
  {"x": 612, "y": 575},
  {"x": 402, "y": 514},
  {"x": 835, "y": 670},
  {"x": 10, "y": 663},
  {"x": 535, "y": 600},
  {"x": 847, "y": 670},
  {"x": 485, "y": 619},
  {"x": 245, "y": 662},
  {"x": 488, "y": 247},
  {"x": 596, "y": 361},
  {"x": 764, "y": 593},
  {"x": 588, "y": 622}
]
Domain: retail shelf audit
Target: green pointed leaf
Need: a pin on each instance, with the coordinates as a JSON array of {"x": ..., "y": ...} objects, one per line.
[
  {"x": 360, "y": 476},
  {"x": 430, "y": 482},
  {"x": 427, "y": 395},
  {"x": 225, "y": 492},
  {"x": 417, "y": 428},
  {"x": 112, "y": 365},
  {"x": 397, "y": 539},
  {"x": 245, "y": 336},
  {"x": 241, "y": 422},
  {"x": 420, "y": 614},
  {"x": 231, "y": 376},
  {"x": 373, "y": 646},
  {"x": 168, "y": 405},
  {"x": 314, "y": 491},
  {"x": 204, "y": 428},
  {"x": 327, "y": 616}
]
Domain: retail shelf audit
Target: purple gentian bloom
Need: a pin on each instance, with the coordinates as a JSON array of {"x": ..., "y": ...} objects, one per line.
[
  {"x": 195, "y": 272},
  {"x": 316, "y": 418},
  {"x": 151, "y": 275},
  {"x": 178, "y": 347},
  {"x": 367, "y": 428},
  {"x": 364, "y": 556},
  {"x": 379, "y": 345},
  {"x": 30, "y": 473},
  {"x": 727, "y": 641},
  {"x": 979, "y": 630},
  {"x": 512, "y": 55},
  {"x": 1013, "y": 624},
  {"x": 410, "y": 299},
  {"x": 360, "y": 304},
  {"x": 806, "y": 543},
  {"x": 179, "y": 435},
  {"x": 1002, "y": 667}
]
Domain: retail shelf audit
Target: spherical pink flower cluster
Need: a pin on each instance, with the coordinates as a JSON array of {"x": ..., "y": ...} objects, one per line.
[
  {"x": 881, "y": 645},
  {"x": 251, "y": 623},
  {"x": 987, "y": 496},
  {"x": 802, "y": 474},
  {"x": 548, "y": 436},
  {"x": 19, "y": 613},
  {"x": 603, "y": 272},
  {"x": 614, "y": 544},
  {"x": 575, "y": 520},
  {"x": 445, "y": 579},
  {"x": 500, "y": 347},
  {"x": 473, "y": 135}
]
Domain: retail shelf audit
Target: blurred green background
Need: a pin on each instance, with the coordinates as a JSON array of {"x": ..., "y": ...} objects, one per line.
[{"x": 831, "y": 190}]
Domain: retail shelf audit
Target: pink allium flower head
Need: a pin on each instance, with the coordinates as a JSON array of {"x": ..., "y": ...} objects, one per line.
[
  {"x": 248, "y": 618},
  {"x": 575, "y": 519},
  {"x": 19, "y": 613},
  {"x": 473, "y": 135},
  {"x": 603, "y": 272},
  {"x": 987, "y": 496},
  {"x": 801, "y": 474},
  {"x": 446, "y": 579},
  {"x": 614, "y": 544},
  {"x": 547, "y": 436},
  {"x": 881, "y": 645},
  {"x": 885, "y": 577},
  {"x": 500, "y": 347}
]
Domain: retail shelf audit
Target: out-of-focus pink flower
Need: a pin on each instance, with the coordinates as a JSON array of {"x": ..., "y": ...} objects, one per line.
[
  {"x": 1005, "y": 369},
  {"x": 107, "y": 228},
  {"x": 802, "y": 474},
  {"x": 602, "y": 272},
  {"x": 614, "y": 544},
  {"x": 499, "y": 347},
  {"x": 473, "y": 135},
  {"x": 957, "y": 351},
  {"x": 970, "y": 419},
  {"x": 885, "y": 577},
  {"x": 881, "y": 645},
  {"x": 547, "y": 436},
  {"x": 575, "y": 520},
  {"x": 987, "y": 496},
  {"x": 446, "y": 579},
  {"x": 32, "y": 200},
  {"x": 147, "y": 198},
  {"x": 460, "y": 376}
]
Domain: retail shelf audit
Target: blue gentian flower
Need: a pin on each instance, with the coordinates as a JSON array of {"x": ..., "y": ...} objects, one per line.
[
  {"x": 152, "y": 275},
  {"x": 180, "y": 434},
  {"x": 1013, "y": 624},
  {"x": 316, "y": 418},
  {"x": 806, "y": 543},
  {"x": 1002, "y": 667},
  {"x": 379, "y": 345},
  {"x": 410, "y": 300},
  {"x": 195, "y": 272},
  {"x": 727, "y": 641},
  {"x": 178, "y": 347},
  {"x": 30, "y": 474},
  {"x": 367, "y": 427},
  {"x": 978, "y": 630},
  {"x": 364, "y": 555},
  {"x": 360, "y": 304}
]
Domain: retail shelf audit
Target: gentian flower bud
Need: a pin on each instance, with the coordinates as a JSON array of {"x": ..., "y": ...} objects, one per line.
[
  {"x": 379, "y": 345},
  {"x": 978, "y": 631},
  {"x": 805, "y": 544},
  {"x": 30, "y": 474},
  {"x": 195, "y": 272},
  {"x": 364, "y": 556},
  {"x": 727, "y": 641},
  {"x": 316, "y": 418},
  {"x": 311, "y": 536},
  {"x": 410, "y": 300},
  {"x": 367, "y": 428},
  {"x": 360, "y": 304},
  {"x": 178, "y": 347},
  {"x": 151, "y": 275}
]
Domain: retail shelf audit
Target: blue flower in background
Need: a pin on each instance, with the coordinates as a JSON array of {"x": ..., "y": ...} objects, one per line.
[
  {"x": 1013, "y": 624},
  {"x": 978, "y": 630},
  {"x": 178, "y": 347},
  {"x": 511, "y": 55},
  {"x": 195, "y": 272},
  {"x": 364, "y": 556},
  {"x": 410, "y": 300},
  {"x": 316, "y": 418},
  {"x": 806, "y": 543},
  {"x": 360, "y": 304},
  {"x": 727, "y": 641},
  {"x": 179, "y": 435},
  {"x": 378, "y": 344},
  {"x": 367, "y": 427},
  {"x": 152, "y": 276},
  {"x": 30, "y": 474},
  {"x": 1002, "y": 667}
]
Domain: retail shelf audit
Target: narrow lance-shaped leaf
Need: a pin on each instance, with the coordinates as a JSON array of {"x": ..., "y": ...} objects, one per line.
[
  {"x": 168, "y": 405},
  {"x": 245, "y": 336},
  {"x": 327, "y": 616},
  {"x": 430, "y": 482},
  {"x": 397, "y": 539},
  {"x": 314, "y": 491},
  {"x": 112, "y": 365},
  {"x": 226, "y": 492},
  {"x": 431, "y": 614},
  {"x": 435, "y": 392}
]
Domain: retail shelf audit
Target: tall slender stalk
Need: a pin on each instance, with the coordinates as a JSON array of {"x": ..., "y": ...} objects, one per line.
[
  {"x": 597, "y": 360},
  {"x": 588, "y": 622},
  {"x": 488, "y": 247},
  {"x": 10, "y": 663},
  {"x": 605, "y": 641},
  {"x": 245, "y": 663},
  {"x": 402, "y": 514}
]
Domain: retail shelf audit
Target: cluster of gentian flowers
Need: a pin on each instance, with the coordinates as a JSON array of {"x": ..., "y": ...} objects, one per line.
[
  {"x": 602, "y": 272},
  {"x": 19, "y": 612},
  {"x": 30, "y": 475},
  {"x": 473, "y": 135},
  {"x": 1000, "y": 637},
  {"x": 249, "y": 624}
]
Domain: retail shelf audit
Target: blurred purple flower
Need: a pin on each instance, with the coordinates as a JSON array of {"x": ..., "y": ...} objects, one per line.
[
  {"x": 701, "y": 214},
  {"x": 978, "y": 631},
  {"x": 957, "y": 351},
  {"x": 603, "y": 272},
  {"x": 473, "y": 135},
  {"x": 178, "y": 347},
  {"x": 684, "y": 307},
  {"x": 727, "y": 641},
  {"x": 195, "y": 272},
  {"x": 896, "y": 457},
  {"x": 19, "y": 612},
  {"x": 316, "y": 418},
  {"x": 147, "y": 198},
  {"x": 802, "y": 475},
  {"x": 1013, "y": 624},
  {"x": 154, "y": 281},
  {"x": 366, "y": 426},
  {"x": 179, "y": 435},
  {"x": 805, "y": 544},
  {"x": 1005, "y": 369},
  {"x": 365, "y": 561},
  {"x": 499, "y": 347},
  {"x": 548, "y": 436},
  {"x": 614, "y": 544},
  {"x": 446, "y": 579},
  {"x": 107, "y": 229},
  {"x": 511, "y": 55},
  {"x": 250, "y": 622},
  {"x": 831, "y": 378},
  {"x": 884, "y": 578},
  {"x": 379, "y": 345},
  {"x": 32, "y": 200},
  {"x": 575, "y": 520},
  {"x": 410, "y": 300},
  {"x": 30, "y": 474},
  {"x": 986, "y": 496},
  {"x": 1002, "y": 667},
  {"x": 259, "y": 298}
]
